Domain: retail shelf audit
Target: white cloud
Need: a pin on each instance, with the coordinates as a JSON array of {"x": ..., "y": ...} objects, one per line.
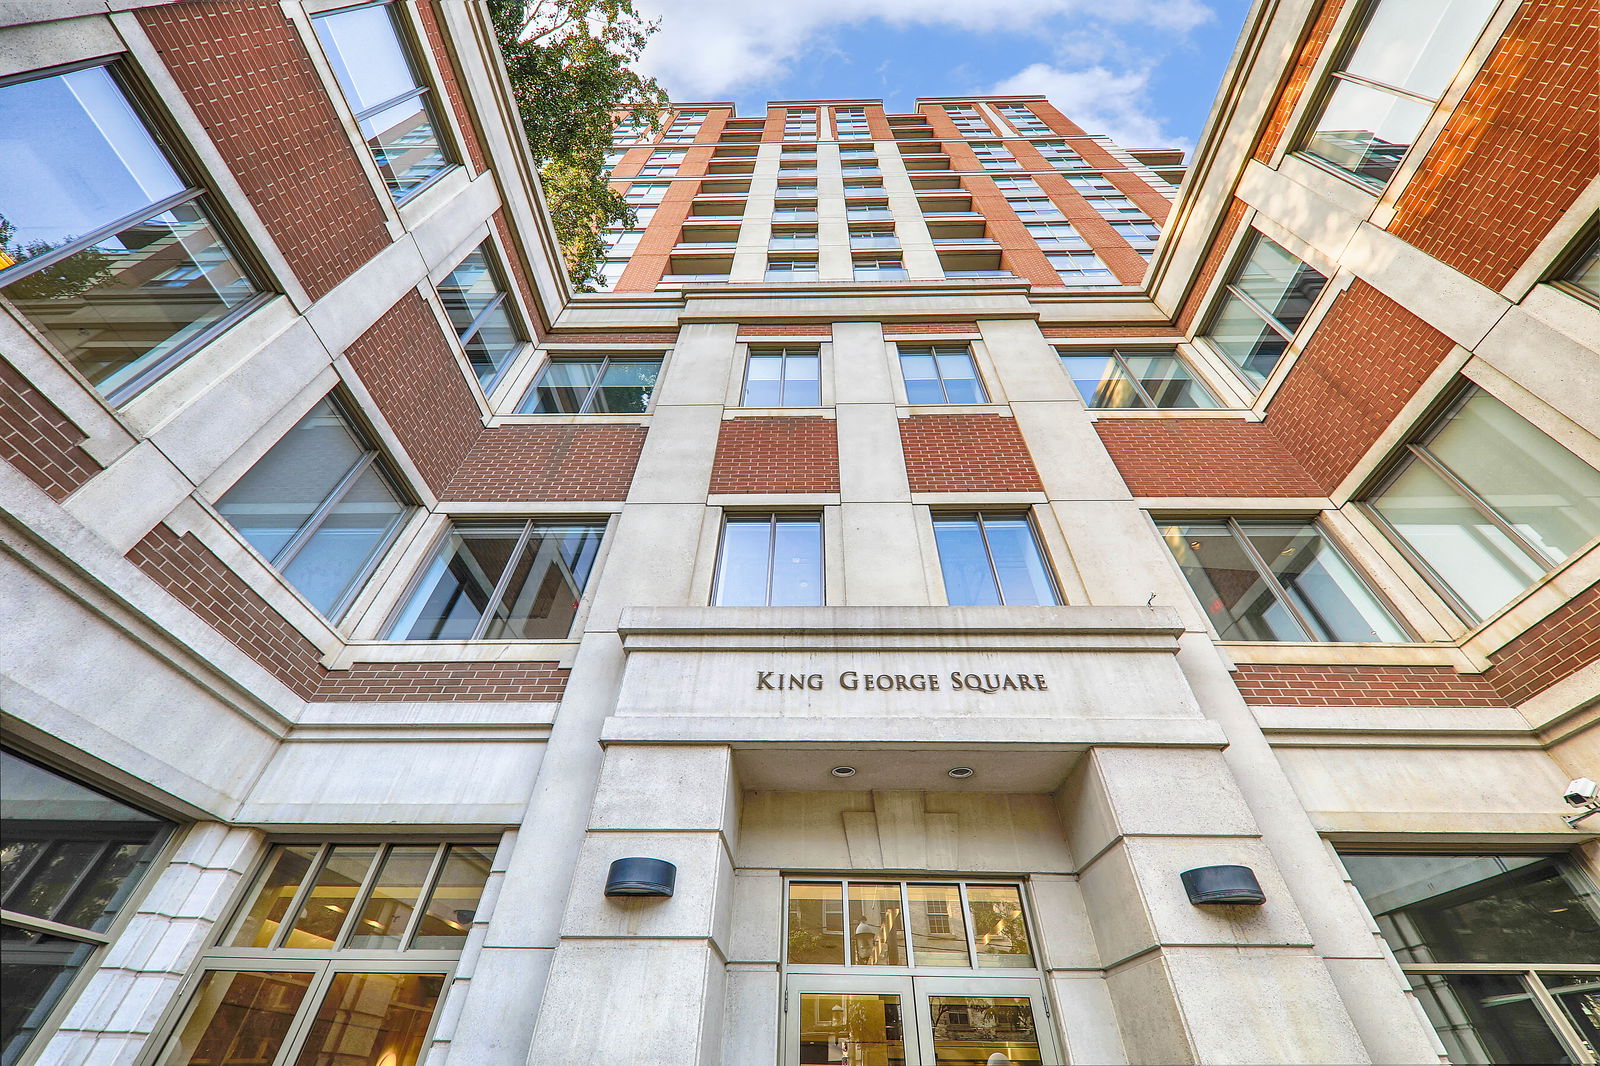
[
  {"x": 1098, "y": 99},
  {"x": 709, "y": 49}
]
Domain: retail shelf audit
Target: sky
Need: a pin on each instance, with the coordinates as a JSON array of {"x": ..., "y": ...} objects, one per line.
[{"x": 1143, "y": 72}]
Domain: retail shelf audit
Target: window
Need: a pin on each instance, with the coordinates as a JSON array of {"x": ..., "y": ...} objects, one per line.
[
  {"x": 1377, "y": 102},
  {"x": 1025, "y": 121},
  {"x": 1584, "y": 273},
  {"x": 868, "y": 213},
  {"x": 990, "y": 558},
  {"x": 791, "y": 270},
  {"x": 1265, "y": 300},
  {"x": 783, "y": 377},
  {"x": 1121, "y": 378},
  {"x": 1018, "y": 186},
  {"x": 1106, "y": 198},
  {"x": 798, "y": 240},
  {"x": 1277, "y": 580},
  {"x": 367, "y": 50},
  {"x": 800, "y": 125},
  {"x": 1502, "y": 951},
  {"x": 685, "y": 127},
  {"x": 320, "y": 507},
  {"x": 664, "y": 161},
  {"x": 941, "y": 373},
  {"x": 70, "y": 858},
  {"x": 881, "y": 269},
  {"x": 1056, "y": 233},
  {"x": 1029, "y": 208},
  {"x": 475, "y": 298},
  {"x": 646, "y": 192},
  {"x": 967, "y": 121},
  {"x": 1142, "y": 234},
  {"x": 1081, "y": 267},
  {"x": 992, "y": 155},
  {"x": 107, "y": 248},
  {"x": 849, "y": 151},
  {"x": 865, "y": 169},
  {"x": 806, "y": 168},
  {"x": 788, "y": 190},
  {"x": 594, "y": 385},
  {"x": 873, "y": 237},
  {"x": 340, "y": 951},
  {"x": 870, "y": 187},
  {"x": 864, "y": 923},
  {"x": 795, "y": 213},
  {"x": 1059, "y": 155},
  {"x": 502, "y": 581},
  {"x": 611, "y": 273},
  {"x": 1487, "y": 504},
  {"x": 622, "y": 242},
  {"x": 850, "y": 123},
  {"x": 769, "y": 560}
]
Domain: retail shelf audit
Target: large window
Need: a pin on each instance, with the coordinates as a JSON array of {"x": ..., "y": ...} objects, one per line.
[
  {"x": 1488, "y": 504},
  {"x": 791, "y": 270},
  {"x": 1080, "y": 267},
  {"x": 474, "y": 296},
  {"x": 769, "y": 560},
  {"x": 368, "y": 52},
  {"x": 664, "y": 161},
  {"x": 502, "y": 581},
  {"x": 1376, "y": 103},
  {"x": 880, "y": 268},
  {"x": 69, "y": 859},
  {"x": 1277, "y": 580},
  {"x": 1134, "y": 377},
  {"x": 319, "y": 506},
  {"x": 783, "y": 377},
  {"x": 105, "y": 245},
  {"x": 990, "y": 558},
  {"x": 1267, "y": 297},
  {"x": 1502, "y": 951},
  {"x": 602, "y": 384},
  {"x": 340, "y": 954},
  {"x": 913, "y": 973},
  {"x": 941, "y": 373}
]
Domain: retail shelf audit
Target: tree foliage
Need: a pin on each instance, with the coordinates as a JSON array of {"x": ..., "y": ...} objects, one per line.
[
  {"x": 570, "y": 63},
  {"x": 72, "y": 276}
]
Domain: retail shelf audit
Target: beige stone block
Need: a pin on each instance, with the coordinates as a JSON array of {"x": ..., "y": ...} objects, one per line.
[
  {"x": 1066, "y": 939},
  {"x": 699, "y": 899},
  {"x": 1147, "y": 1013},
  {"x": 1087, "y": 1018},
  {"x": 676, "y": 787}
]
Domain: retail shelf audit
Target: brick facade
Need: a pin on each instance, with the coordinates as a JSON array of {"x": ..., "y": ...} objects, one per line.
[
  {"x": 428, "y": 15},
  {"x": 39, "y": 439},
  {"x": 804, "y": 329},
  {"x": 534, "y": 463},
  {"x": 1208, "y": 271},
  {"x": 1563, "y": 643},
  {"x": 1298, "y": 77},
  {"x": 1110, "y": 330},
  {"x": 1518, "y": 149},
  {"x": 203, "y": 583},
  {"x": 243, "y": 69},
  {"x": 1203, "y": 457},
  {"x": 967, "y": 453},
  {"x": 768, "y": 455},
  {"x": 1323, "y": 685},
  {"x": 1365, "y": 361}
]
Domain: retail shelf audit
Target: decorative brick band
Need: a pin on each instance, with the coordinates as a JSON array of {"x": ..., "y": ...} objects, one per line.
[
  {"x": 769, "y": 455},
  {"x": 1563, "y": 643},
  {"x": 1363, "y": 686},
  {"x": 1110, "y": 329},
  {"x": 203, "y": 583},
  {"x": 803, "y": 329},
  {"x": 967, "y": 453},
  {"x": 664, "y": 340},
  {"x": 913, "y": 329},
  {"x": 1203, "y": 457},
  {"x": 243, "y": 70},
  {"x": 39, "y": 439}
]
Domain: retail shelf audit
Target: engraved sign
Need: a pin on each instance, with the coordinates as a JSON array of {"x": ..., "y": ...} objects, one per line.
[{"x": 866, "y": 681}]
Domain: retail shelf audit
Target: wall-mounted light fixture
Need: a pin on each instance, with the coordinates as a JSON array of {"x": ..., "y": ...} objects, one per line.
[
  {"x": 639, "y": 876},
  {"x": 1223, "y": 884}
]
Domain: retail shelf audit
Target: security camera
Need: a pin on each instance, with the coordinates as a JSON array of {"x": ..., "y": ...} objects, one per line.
[{"x": 1581, "y": 793}]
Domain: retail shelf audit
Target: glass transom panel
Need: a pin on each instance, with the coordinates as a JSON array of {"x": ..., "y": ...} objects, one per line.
[{"x": 895, "y": 924}]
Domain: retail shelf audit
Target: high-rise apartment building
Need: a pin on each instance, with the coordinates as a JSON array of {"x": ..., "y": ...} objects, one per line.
[{"x": 969, "y": 592}]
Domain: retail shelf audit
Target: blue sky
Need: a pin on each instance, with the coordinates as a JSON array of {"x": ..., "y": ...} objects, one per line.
[{"x": 1141, "y": 71}]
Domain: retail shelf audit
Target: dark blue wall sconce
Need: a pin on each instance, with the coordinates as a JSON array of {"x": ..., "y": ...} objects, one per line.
[
  {"x": 639, "y": 876},
  {"x": 1223, "y": 884}
]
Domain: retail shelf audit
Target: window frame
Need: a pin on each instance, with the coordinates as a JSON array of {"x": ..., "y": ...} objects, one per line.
[
  {"x": 782, "y": 351},
  {"x": 493, "y": 258},
  {"x": 1582, "y": 251},
  {"x": 588, "y": 397},
  {"x": 1116, "y": 353},
  {"x": 195, "y": 191},
  {"x": 772, "y": 517},
  {"x": 1228, "y": 287},
  {"x": 901, "y": 350},
  {"x": 424, "y": 91},
  {"x": 980, "y": 512}
]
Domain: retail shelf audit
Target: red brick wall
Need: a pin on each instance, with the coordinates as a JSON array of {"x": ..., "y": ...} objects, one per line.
[
  {"x": 1208, "y": 272},
  {"x": 1366, "y": 359},
  {"x": 1362, "y": 686},
  {"x": 776, "y": 455},
  {"x": 519, "y": 275},
  {"x": 1155, "y": 204},
  {"x": 243, "y": 70},
  {"x": 812, "y": 329},
  {"x": 665, "y": 340},
  {"x": 909, "y": 329},
  {"x": 549, "y": 463},
  {"x": 1115, "y": 329},
  {"x": 1298, "y": 78},
  {"x": 1517, "y": 151},
  {"x": 38, "y": 439},
  {"x": 1115, "y": 252},
  {"x": 967, "y": 453},
  {"x": 653, "y": 255},
  {"x": 1047, "y": 113},
  {"x": 411, "y": 371},
  {"x": 199, "y": 580},
  {"x": 429, "y": 17},
  {"x": 1563, "y": 643},
  {"x": 1203, "y": 457}
]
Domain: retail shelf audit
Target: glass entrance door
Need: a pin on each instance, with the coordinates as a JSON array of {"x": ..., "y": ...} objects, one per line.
[{"x": 917, "y": 1021}]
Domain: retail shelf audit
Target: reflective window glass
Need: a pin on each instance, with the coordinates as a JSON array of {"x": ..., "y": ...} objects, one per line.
[
  {"x": 319, "y": 506},
  {"x": 999, "y": 926},
  {"x": 769, "y": 560},
  {"x": 877, "y": 927},
  {"x": 941, "y": 374},
  {"x": 1134, "y": 378},
  {"x": 479, "y": 309},
  {"x": 453, "y": 903},
  {"x": 367, "y": 50},
  {"x": 502, "y": 581},
  {"x": 594, "y": 385},
  {"x": 1267, "y": 297},
  {"x": 816, "y": 923},
  {"x": 989, "y": 558},
  {"x": 783, "y": 377},
  {"x": 938, "y": 925}
]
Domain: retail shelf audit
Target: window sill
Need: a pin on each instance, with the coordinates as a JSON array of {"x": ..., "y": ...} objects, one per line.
[
  {"x": 452, "y": 651},
  {"x": 512, "y": 418},
  {"x": 1296, "y": 653}
]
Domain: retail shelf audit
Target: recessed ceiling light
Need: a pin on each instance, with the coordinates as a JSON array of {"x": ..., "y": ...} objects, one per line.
[
  {"x": 843, "y": 771},
  {"x": 961, "y": 773}
]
